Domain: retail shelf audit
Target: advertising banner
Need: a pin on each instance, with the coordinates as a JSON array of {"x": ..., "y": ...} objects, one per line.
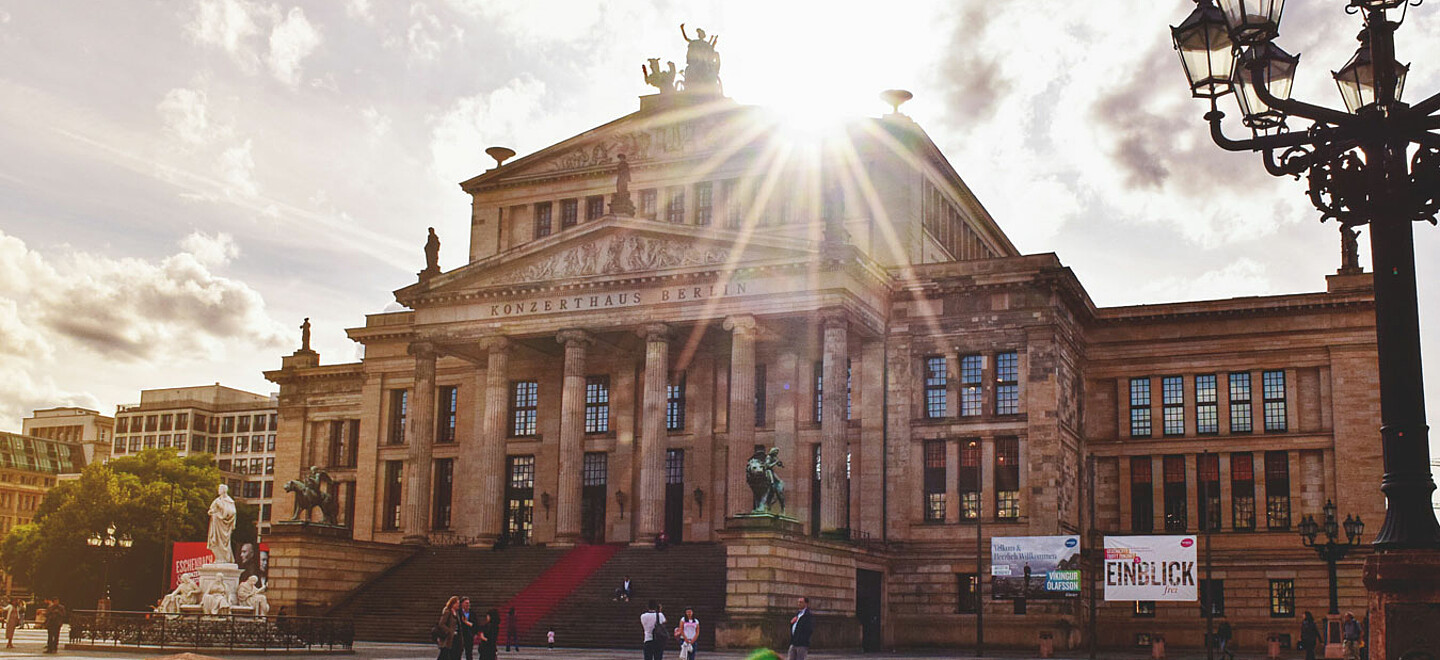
[
  {"x": 189, "y": 556},
  {"x": 1150, "y": 568},
  {"x": 1034, "y": 567}
]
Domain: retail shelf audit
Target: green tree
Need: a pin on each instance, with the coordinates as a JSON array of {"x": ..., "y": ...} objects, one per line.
[{"x": 155, "y": 497}]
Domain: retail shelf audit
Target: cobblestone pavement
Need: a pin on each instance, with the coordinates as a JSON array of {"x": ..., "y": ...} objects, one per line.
[{"x": 31, "y": 643}]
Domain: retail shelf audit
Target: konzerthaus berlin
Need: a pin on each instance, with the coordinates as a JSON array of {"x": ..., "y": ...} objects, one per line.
[{"x": 599, "y": 370}]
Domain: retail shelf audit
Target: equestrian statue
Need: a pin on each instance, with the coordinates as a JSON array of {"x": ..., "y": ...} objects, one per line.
[{"x": 309, "y": 495}]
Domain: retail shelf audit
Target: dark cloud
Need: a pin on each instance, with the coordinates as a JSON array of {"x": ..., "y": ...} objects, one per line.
[{"x": 971, "y": 75}]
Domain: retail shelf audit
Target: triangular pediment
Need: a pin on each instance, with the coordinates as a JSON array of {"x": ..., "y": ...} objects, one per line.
[{"x": 617, "y": 248}]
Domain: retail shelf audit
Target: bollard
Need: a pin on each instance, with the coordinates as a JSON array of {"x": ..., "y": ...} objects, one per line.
[
  {"x": 1047, "y": 645},
  {"x": 1157, "y": 648}
]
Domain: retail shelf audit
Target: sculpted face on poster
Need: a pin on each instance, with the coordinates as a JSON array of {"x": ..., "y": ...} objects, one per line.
[
  {"x": 1150, "y": 568},
  {"x": 1034, "y": 567}
]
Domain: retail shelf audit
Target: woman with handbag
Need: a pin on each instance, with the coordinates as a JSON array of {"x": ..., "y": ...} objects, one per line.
[{"x": 446, "y": 632}]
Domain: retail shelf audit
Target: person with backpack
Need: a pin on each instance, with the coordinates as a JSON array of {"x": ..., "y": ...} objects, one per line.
[{"x": 653, "y": 623}]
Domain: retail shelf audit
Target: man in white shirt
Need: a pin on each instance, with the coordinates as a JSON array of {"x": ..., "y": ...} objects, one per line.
[
  {"x": 653, "y": 623},
  {"x": 801, "y": 626}
]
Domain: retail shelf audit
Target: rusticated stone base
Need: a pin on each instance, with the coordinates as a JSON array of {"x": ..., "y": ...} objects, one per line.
[{"x": 1404, "y": 588}]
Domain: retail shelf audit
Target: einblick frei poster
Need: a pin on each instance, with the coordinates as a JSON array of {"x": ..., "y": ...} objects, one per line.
[{"x": 1150, "y": 568}]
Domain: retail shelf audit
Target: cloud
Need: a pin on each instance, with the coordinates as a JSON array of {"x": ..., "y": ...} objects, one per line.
[
  {"x": 460, "y": 135},
  {"x": 237, "y": 170},
  {"x": 360, "y": 10},
  {"x": 290, "y": 42},
  {"x": 185, "y": 113},
  {"x": 427, "y": 35},
  {"x": 100, "y": 309},
  {"x": 229, "y": 26}
]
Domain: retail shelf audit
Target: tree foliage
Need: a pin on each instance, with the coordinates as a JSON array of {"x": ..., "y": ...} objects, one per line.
[{"x": 155, "y": 496}]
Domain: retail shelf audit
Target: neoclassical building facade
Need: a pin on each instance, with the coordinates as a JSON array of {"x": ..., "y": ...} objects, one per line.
[{"x": 645, "y": 304}]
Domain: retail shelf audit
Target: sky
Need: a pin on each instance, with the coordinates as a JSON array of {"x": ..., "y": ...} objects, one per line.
[{"x": 182, "y": 182}]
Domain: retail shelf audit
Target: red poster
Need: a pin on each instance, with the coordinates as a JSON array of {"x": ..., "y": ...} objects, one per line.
[{"x": 189, "y": 556}]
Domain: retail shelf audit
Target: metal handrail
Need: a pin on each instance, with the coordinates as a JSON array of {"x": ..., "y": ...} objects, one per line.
[{"x": 215, "y": 631}]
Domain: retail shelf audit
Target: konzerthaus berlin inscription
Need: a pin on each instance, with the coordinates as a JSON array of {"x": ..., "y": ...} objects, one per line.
[{"x": 624, "y": 333}]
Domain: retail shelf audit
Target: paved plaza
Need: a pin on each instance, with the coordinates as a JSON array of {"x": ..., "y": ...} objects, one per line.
[{"x": 31, "y": 643}]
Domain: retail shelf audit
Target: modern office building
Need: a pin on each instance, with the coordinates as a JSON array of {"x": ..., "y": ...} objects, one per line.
[{"x": 82, "y": 426}]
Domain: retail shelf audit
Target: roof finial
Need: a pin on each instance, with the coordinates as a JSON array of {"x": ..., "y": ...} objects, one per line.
[{"x": 895, "y": 98}]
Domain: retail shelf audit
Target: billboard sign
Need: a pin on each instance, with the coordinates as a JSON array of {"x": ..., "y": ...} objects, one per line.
[
  {"x": 1034, "y": 567},
  {"x": 189, "y": 556},
  {"x": 1150, "y": 568}
]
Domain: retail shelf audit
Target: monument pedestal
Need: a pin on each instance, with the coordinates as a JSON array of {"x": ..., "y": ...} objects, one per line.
[
  {"x": 1404, "y": 604},
  {"x": 764, "y": 522},
  {"x": 227, "y": 575}
]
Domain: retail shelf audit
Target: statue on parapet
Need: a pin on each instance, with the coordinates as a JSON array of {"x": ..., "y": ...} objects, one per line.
[
  {"x": 664, "y": 80},
  {"x": 310, "y": 495},
  {"x": 432, "y": 256},
  {"x": 1349, "y": 251},
  {"x": 702, "y": 62},
  {"x": 620, "y": 203},
  {"x": 305, "y": 335},
  {"x": 765, "y": 485}
]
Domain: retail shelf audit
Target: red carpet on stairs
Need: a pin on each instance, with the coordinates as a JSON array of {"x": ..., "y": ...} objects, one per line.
[{"x": 560, "y": 580}]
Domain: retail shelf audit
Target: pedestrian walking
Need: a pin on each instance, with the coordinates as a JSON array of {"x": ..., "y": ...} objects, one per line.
[
  {"x": 54, "y": 618},
  {"x": 1309, "y": 636},
  {"x": 689, "y": 634},
  {"x": 550, "y": 639},
  {"x": 1223, "y": 634},
  {"x": 1350, "y": 634},
  {"x": 14, "y": 615},
  {"x": 488, "y": 638},
  {"x": 653, "y": 623},
  {"x": 512, "y": 631},
  {"x": 446, "y": 632},
  {"x": 801, "y": 626},
  {"x": 467, "y": 628}
]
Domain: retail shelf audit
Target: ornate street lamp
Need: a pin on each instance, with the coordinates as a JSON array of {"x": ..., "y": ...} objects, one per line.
[
  {"x": 1206, "y": 51},
  {"x": 1376, "y": 163},
  {"x": 108, "y": 543},
  {"x": 1332, "y": 550}
]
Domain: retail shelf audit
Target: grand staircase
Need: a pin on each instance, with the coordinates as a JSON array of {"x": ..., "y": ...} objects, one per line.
[{"x": 568, "y": 591}]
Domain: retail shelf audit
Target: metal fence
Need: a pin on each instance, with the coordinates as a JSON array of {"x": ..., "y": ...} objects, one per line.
[{"x": 224, "y": 631}]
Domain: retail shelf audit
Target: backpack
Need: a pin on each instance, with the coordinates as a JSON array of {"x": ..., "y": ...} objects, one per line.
[{"x": 657, "y": 632}]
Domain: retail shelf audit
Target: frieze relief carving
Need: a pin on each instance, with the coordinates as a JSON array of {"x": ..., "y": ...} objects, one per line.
[
  {"x": 692, "y": 137},
  {"x": 615, "y": 255}
]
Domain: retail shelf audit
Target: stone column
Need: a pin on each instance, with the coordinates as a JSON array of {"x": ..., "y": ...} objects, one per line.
[
  {"x": 741, "y": 417},
  {"x": 832, "y": 424},
  {"x": 572, "y": 436},
  {"x": 650, "y": 502},
  {"x": 420, "y": 435},
  {"x": 489, "y": 480}
]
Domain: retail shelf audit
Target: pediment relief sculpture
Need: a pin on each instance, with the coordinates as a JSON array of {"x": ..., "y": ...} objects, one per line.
[{"x": 613, "y": 255}]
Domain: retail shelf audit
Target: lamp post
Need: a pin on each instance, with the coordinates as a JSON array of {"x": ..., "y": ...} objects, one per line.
[
  {"x": 1377, "y": 162},
  {"x": 1332, "y": 550},
  {"x": 108, "y": 543}
]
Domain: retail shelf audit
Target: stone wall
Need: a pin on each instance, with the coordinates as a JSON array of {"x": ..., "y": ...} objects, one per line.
[{"x": 310, "y": 574}]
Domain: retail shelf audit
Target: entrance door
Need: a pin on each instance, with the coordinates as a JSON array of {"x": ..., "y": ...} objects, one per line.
[
  {"x": 592, "y": 498},
  {"x": 519, "y": 500},
  {"x": 868, "y": 597},
  {"x": 815, "y": 493},
  {"x": 675, "y": 495}
]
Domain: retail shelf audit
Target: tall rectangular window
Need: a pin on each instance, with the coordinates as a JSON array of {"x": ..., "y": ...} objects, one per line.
[
  {"x": 569, "y": 213},
  {"x": 674, "y": 466},
  {"x": 520, "y": 500},
  {"x": 542, "y": 219},
  {"x": 1241, "y": 417},
  {"x": 449, "y": 397},
  {"x": 971, "y": 368},
  {"x": 399, "y": 409},
  {"x": 819, "y": 391},
  {"x": 1242, "y": 490},
  {"x": 1273, "y": 383},
  {"x": 1277, "y": 489},
  {"x": 732, "y": 206},
  {"x": 1207, "y": 411},
  {"x": 1212, "y": 595},
  {"x": 969, "y": 479},
  {"x": 167, "y": 422},
  {"x": 1176, "y": 518},
  {"x": 594, "y": 207},
  {"x": 675, "y": 206},
  {"x": 1172, "y": 400},
  {"x": 244, "y": 424},
  {"x": 1142, "y": 495},
  {"x": 675, "y": 403},
  {"x": 849, "y": 399},
  {"x": 759, "y": 395},
  {"x": 1007, "y": 383},
  {"x": 937, "y": 384},
  {"x": 444, "y": 493},
  {"x": 597, "y": 404},
  {"x": 524, "y": 400},
  {"x": 1282, "y": 598},
  {"x": 595, "y": 470},
  {"x": 1007, "y": 478},
  {"x": 934, "y": 481},
  {"x": 648, "y": 203},
  {"x": 227, "y": 425},
  {"x": 968, "y": 593},
  {"x": 704, "y": 203},
  {"x": 390, "y": 518},
  {"x": 1139, "y": 407},
  {"x": 1207, "y": 468}
]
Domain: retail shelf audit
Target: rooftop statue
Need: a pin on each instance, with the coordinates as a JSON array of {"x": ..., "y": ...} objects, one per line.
[
  {"x": 305, "y": 335},
  {"x": 664, "y": 80},
  {"x": 620, "y": 203},
  {"x": 702, "y": 62},
  {"x": 432, "y": 255}
]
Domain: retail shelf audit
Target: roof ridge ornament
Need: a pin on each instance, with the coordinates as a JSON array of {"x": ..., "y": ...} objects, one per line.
[{"x": 702, "y": 63}]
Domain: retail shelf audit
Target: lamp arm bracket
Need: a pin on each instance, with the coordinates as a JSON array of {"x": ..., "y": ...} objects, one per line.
[
  {"x": 1427, "y": 139},
  {"x": 1428, "y": 106},
  {"x": 1297, "y": 108},
  {"x": 1261, "y": 143}
]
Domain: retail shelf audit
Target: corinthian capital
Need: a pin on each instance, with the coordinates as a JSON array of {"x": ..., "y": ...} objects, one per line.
[
  {"x": 654, "y": 332},
  {"x": 567, "y": 337}
]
